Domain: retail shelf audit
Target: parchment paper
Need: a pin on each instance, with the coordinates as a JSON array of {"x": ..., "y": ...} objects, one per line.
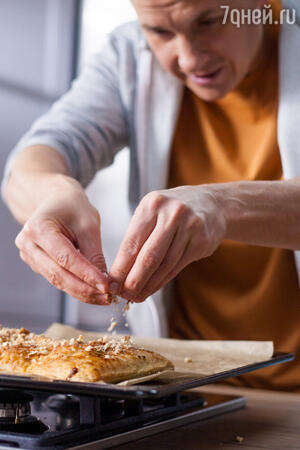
[{"x": 205, "y": 357}]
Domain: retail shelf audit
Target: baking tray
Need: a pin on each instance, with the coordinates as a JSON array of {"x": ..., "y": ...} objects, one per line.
[{"x": 152, "y": 389}]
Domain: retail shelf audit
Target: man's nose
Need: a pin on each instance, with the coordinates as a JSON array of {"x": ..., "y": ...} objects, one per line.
[{"x": 191, "y": 55}]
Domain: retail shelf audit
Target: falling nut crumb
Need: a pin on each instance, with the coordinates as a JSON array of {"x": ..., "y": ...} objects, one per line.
[
  {"x": 112, "y": 326},
  {"x": 187, "y": 359},
  {"x": 126, "y": 307},
  {"x": 239, "y": 439},
  {"x": 112, "y": 299}
]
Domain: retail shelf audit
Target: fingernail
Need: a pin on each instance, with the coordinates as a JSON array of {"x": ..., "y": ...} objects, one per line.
[
  {"x": 127, "y": 295},
  {"x": 101, "y": 288},
  {"x": 114, "y": 287},
  {"x": 102, "y": 299}
]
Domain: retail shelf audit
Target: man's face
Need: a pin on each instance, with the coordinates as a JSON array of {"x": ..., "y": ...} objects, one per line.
[{"x": 190, "y": 41}]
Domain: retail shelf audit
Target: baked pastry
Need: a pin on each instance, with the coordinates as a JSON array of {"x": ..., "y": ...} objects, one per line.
[{"x": 105, "y": 359}]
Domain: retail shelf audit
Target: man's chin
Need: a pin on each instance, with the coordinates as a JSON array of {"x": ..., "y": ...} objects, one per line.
[{"x": 211, "y": 94}]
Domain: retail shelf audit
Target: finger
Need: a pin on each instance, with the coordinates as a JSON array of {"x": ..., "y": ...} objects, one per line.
[
  {"x": 61, "y": 250},
  {"x": 194, "y": 246},
  {"x": 138, "y": 232},
  {"x": 91, "y": 247},
  {"x": 148, "y": 260},
  {"x": 184, "y": 261},
  {"x": 60, "y": 277},
  {"x": 171, "y": 260}
]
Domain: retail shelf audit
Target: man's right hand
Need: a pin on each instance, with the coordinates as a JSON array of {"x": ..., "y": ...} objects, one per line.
[{"x": 61, "y": 241}]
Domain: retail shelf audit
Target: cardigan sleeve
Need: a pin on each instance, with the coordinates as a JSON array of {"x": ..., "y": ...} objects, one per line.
[{"x": 87, "y": 126}]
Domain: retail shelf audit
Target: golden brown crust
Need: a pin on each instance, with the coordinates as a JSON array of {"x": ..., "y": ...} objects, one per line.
[{"x": 105, "y": 360}]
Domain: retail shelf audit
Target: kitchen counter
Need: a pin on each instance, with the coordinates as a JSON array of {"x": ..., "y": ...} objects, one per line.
[{"x": 270, "y": 420}]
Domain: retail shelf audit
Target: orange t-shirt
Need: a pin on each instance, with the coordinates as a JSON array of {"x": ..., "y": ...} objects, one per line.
[{"x": 241, "y": 291}]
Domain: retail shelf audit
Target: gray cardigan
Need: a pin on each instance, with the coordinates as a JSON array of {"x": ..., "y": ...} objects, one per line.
[{"x": 124, "y": 98}]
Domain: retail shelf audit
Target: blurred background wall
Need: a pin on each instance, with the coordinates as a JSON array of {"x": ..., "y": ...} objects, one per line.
[{"x": 43, "y": 44}]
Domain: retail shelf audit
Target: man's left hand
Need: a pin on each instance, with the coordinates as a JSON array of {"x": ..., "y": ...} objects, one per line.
[{"x": 169, "y": 230}]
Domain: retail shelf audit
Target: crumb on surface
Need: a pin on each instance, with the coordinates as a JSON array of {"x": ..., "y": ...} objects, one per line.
[
  {"x": 187, "y": 359},
  {"x": 239, "y": 439}
]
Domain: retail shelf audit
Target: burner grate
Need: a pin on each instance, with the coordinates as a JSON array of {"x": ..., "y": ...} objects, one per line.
[{"x": 81, "y": 420}]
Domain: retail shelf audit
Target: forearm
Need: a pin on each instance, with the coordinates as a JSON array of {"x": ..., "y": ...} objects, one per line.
[
  {"x": 37, "y": 173},
  {"x": 265, "y": 213},
  {"x": 172, "y": 228}
]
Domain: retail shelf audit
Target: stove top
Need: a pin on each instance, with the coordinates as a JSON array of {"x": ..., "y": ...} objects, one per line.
[{"x": 41, "y": 420}]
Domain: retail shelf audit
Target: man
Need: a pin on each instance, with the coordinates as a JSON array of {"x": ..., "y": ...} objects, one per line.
[{"x": 195, "y": 98}]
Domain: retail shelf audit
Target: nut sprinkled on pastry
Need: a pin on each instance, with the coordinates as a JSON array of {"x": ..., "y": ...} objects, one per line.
[
  {"x": 24, "y": 331},
  {"x": 73, "y": 372},
  {"x": 108, "y": 360}
]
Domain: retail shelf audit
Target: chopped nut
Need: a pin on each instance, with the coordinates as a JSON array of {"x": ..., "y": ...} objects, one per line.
[
  {"x": 88, "y": 348},
  {"x": 73, "y": 372},
  {"x": 187, "y": 359},
  {"x": 80, "y": 338},
  {"x": 112, "y": 299},
  {"x": 24, "y": 331},
  {"x": 126, "y": 306},
  {"x": 112, "y": 326}
]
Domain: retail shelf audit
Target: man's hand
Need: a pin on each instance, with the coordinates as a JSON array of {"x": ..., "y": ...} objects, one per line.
[
  {"x": 60, "y": 238},
  {"x": 169, "y": 230},
  {"x": 61, "y": 241}
]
